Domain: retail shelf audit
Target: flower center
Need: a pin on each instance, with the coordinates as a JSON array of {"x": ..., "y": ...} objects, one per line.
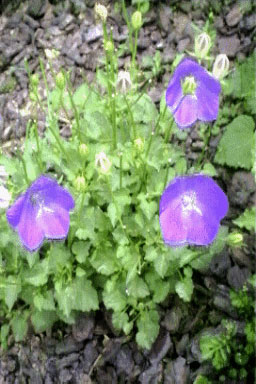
[
  {"x": 35, "y": 198},
  {"x": 189, "y": 203},
  {"x": 188, "y": 85}
]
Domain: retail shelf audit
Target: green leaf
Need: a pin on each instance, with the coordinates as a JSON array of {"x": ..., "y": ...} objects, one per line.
[
  {"x": 148, "y": 328},
  {"x": 38, "y": 274},
  {"x": 209, "y": 170},
  {"x": 114, "y": 296},
  {"x": 137, "y": 288},
  {"x": 19, "y": 327},
  {"x": 81, "y": 95},
  {"x": 43, "y": 320},
  {"x": 120, "y": 320},
  {"x": 247, "y": 219},
  {"x": 11, "y": 291},
  {"x": 161, "y": 264},
  {"x": 85, "y": 297},
  {"x": 236, "y": 145},
  {"x": 144, "y": 110},
  {"x": 184, "y": 288},
  {"x": 104, "y": 261},
  {"x": 44, "y": 301},
  {"x": 81, "y": 250},
  {"x": 148, "y": 208},
  {"x": 58, "y": 257},
  {"x": 159, "y": 287}
]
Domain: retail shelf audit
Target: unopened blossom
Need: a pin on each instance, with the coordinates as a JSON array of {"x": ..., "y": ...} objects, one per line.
[
  {"x": 123, "y": 83},
  {"x": 220, "y": 66},
  {"x": 190, "y": 210},
  {"x": 41, "y": 212},
  {"x": 5, "y": 197},
  {"x": 202, "y": 45},
  {"x": 101, "y": 12},
  {"x": 192, "y": 94},
  {"x": 103, "y": 162}
]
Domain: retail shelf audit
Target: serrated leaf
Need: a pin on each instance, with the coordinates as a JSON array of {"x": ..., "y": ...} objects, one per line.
[
  {"x": 247, "y": 219},
  {"x": 19, "y": 327},
  {"x": 11, "y": 292},
  {"x": 37, "y": 275},
  {"x": 43, "y": 320},
  {"x": 113, "y": 296},
  {"x": 81, "y": 250},
  {"x": 148, "y": 328},
  {"x": 137, "y": 288},
  {"x": 104, "y": 261},
  {"x": 236, "y": 144},
  {"x": 161, "y": 264},
  {"x": 184, "y": 288}
]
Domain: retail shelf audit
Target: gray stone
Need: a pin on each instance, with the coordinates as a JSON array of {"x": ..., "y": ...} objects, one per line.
[
  {"x": 177, "y": 372},
  {"x": 182, "y": 344},
  {"x": 234, "y": 16},
  {"x": 220, "y": 264},
  {"x": 249, "y": 22},
  {"x": 172, "y": 319},
  {"x": 83, "y": 328},
  {"x": 124, "y": 362},
  {"x": 90, "y": 355},
  {"x": 237, "y": 277},
  {"x": 229, "y": 45},
  {"x": 68, "y": 346},
  {"x": 151, "y": 375},
  {"x": 36, "y": 8},
  {"x": 93, "y": 33},
  {"x": 242, "y": 186},
  {"x": 161, "y": 347},
  {"x": 183, "y": 44},
  {"x": 164, "y": 17},
  {"x": 241, "y": 258}
]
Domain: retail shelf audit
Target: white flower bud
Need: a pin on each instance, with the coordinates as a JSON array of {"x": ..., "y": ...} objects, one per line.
[
  {"x": 220, "y": 66},
  {"x": 101, "y": 12},
  {"x": 102, "y": 161},
  {"x": 202, "y": 45},
  {"x": 123, "y": 81}
]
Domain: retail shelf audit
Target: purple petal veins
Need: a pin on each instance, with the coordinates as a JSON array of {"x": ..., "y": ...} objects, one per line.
[
  {"x": 41, "y": 212},
  {"x": 190, "y": 210}
]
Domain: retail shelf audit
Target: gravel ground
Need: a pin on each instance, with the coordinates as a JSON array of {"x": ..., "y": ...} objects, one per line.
[{"x": 91, "y": 351}]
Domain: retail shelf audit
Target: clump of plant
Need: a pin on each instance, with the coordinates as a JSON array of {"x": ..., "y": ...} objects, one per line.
[
  {"x": 231, "y": 354},
  {"x": 112, "y": 215}
]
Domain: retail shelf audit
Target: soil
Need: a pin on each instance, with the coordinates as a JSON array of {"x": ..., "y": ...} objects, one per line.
[{"x": 91, "y": 351}]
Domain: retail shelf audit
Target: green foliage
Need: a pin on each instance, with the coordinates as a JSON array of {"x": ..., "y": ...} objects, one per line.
[
  {"x": 247, "y": 219},
  {"x": 236, "y": 145}
]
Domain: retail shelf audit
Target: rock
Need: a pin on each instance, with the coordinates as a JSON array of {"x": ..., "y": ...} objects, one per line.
[
  {"x": 155, "y": 94},
  {"x": 68, "y": 346},
  {"x": 36, "y": 8},
  {"x": 90, "y": 355},
  {"x": 177, "y": 372},
  {"x": 151, "y": 375},
  {"x": 242, "y": 186},
  {"x": 223, "y": 303},
  {"x": 164, "y": 17},
  {"x": 106, "y": 375},
  {"x": 237, "y": 277},
  {"x": 241, "y": 258},
  {"x": 161, "y": 347},
  {"x": 124, "y": 362},
  {"x": 234, "y": 16},
  {"x": 168, "y": 56},
  {"x": 183, "y": 44},
  {"x": 180, "y": 23},
  {"x": 229, "y": 45},
  {"x": 66, "y": 361},
  {"x": 67, "y": 20},
  {"x": 143, "y": 41},
  {"x": 220, "y": 263},
  {"x": 172, "y": 319},
  {"x": 249, "y": 22},
  {"x": 93, "y": 33},
  {"x": 83, "y": 328},
  {"x": 182, "y": 344}
]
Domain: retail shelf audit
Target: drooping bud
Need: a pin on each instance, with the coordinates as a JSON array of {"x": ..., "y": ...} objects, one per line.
[
  {"x": 83, "y": 150},
  {"x": 80, "y": 184},
  {"x": 102, "y": 162},
  {"x": 60, "y": 80},
  {"x": 220, "y": 66},
  {"x": 137, "y": 20},
  {"x": 139, "y": 144},
  {"x": 109, "y": 46},
  {"x": 123, "y": 82},
  {"x": 101, "y": 12},
  {"x": 202, "y": 45},
  {"x": 235, "y": 239}
]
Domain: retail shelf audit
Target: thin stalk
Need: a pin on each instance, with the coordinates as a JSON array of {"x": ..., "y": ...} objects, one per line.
[
  {"x": 75, "y": 111},
  {"x": 168, "y": 132},
  {"x": 121, "y": 171},
  {"x": 132, "y": 120},
  {"x": 207, "y": 137}
]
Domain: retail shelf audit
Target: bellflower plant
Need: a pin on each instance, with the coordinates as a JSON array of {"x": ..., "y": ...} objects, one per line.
[
  {"x": 191, "y": 208},
  {"x": 41, "y": 212},
  {"x": 122, "y": 251},
  {"x": 192, "y": 94}
]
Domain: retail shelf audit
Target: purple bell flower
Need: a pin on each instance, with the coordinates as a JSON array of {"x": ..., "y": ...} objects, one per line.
[
  {"x": 41, "y": 212},
  {"x": 192, "y": 94},
  {"x": 190, "y": 211}
]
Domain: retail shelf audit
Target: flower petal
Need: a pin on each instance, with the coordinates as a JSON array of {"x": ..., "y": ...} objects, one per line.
[
  {"x": 186, "y": 113},
  {"x": 202, "y": 229},
  {"x": 29, "y": 231},
  {"x": 172, "y": 226},
  {"x": 54, "y": 221},
  {"x": 207, "y": 93},
  {"x": 13, "y": 213}
]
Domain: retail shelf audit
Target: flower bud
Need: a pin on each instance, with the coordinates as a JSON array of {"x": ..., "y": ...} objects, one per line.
[
  {"x": 220, "y": 66},
  {"x": 5, "y": 197},
  {"x": 83, "y": 150},
  {"x": 60, "y": 80},
  {"x": 202, "y": 45},
  {"x": 80, "y": 184},
  {"x": 235, "y": 239},
  {"x": 137, "y": 20},
  {"x": 123, "y": 82},
  {"x": 139, "y": 144},
  {"x": 32, "y": 96},
  {"x": 35, "y": 79},
  {"x": 102, "y": 161},
  {"x": 101, "y": 12},
  {"x": 109, "y": 46},
  {"x": 189, "y": 85}
]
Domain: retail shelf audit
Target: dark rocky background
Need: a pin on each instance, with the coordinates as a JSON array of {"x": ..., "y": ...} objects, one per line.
[{"x": 91, "y": 351}]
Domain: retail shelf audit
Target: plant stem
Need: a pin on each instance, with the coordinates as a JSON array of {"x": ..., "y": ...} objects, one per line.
[{"x": 207, "y": 137}]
